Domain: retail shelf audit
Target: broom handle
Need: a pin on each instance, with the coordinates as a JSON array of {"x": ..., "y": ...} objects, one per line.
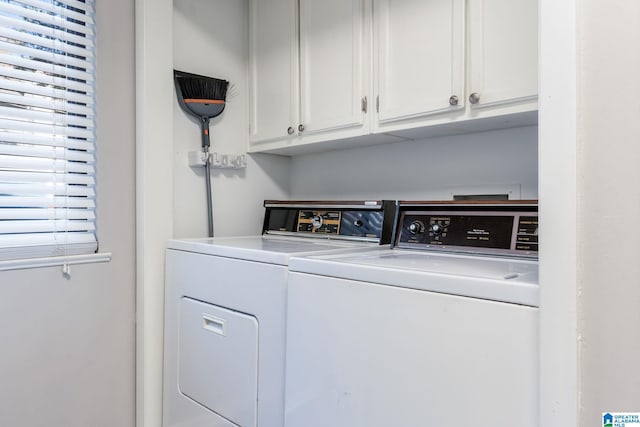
[
  {"x": 207, "y": 176},
  {"x": 204, "y": 125},
  {"x": 207, "y": 172}
]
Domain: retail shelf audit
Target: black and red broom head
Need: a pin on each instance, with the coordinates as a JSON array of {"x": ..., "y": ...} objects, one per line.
[{"x": 201, "y": 96}]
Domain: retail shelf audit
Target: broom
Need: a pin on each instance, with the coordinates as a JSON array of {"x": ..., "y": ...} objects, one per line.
[{"x": 204, "y": 98}]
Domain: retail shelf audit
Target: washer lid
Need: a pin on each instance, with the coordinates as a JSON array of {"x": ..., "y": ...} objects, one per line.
[
  {"x": 492, "y": 278},
  {"x": 267, "y": 249}
]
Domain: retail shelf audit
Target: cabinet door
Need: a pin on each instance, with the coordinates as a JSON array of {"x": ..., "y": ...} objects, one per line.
[
  {"x": 331, "y": 64},
  {"x": 419, "y": 57},
  {"x": 273, "y": 69},
  {"x": 503, "y": 44}
]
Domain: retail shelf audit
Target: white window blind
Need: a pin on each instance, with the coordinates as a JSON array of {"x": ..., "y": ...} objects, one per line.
[{"x": 47, "y": 128}]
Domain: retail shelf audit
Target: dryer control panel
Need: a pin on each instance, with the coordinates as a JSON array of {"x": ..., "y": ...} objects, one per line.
[
  {"x": 498, "y": 228},
  {"x": 351, "y": 220}
]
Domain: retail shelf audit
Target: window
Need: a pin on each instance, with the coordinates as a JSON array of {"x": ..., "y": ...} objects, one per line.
[{"x": 47, "y": 128}]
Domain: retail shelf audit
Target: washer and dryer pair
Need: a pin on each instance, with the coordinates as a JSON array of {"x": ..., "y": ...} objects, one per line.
[{"x": 383, "y": 337}]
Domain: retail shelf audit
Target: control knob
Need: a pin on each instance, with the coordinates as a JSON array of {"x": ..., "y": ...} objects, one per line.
[
  {"x": 436, "y": 229},
  {"x": 416, "y": 227},
  {"x": 316, "y": 221}
]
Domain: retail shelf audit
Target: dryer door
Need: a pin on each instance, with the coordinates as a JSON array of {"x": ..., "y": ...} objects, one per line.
[{"x": 218, "y": 360}]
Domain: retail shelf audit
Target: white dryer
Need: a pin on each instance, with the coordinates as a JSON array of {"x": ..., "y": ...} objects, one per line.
[
  {"x": 410, "y": 337},
  {"x": 225, "y": 309}
]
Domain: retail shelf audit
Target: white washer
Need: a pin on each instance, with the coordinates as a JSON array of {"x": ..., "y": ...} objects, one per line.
[
  {"x": 225, "y": 310},
  {"x": 419, "y": 338}
]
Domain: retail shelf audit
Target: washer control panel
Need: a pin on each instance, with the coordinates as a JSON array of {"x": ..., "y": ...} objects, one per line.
[
  {"x": 366, "y": 220},
  {"x": 498, "y": 228}
]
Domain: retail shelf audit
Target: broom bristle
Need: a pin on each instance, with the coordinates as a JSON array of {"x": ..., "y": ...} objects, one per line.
[{"x": 194, "y": 86}]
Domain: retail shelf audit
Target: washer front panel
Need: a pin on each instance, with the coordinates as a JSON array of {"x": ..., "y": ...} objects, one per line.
[{"x": 360, "y": 354}]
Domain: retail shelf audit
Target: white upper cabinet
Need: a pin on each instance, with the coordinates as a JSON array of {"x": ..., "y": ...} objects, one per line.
[
  {"x": 418, "y": 57},
  {"x": 273, "y": 70},
  {"x": 428, "y": 84},
  {"x": 503, "y": 47},
  {"x": 308, "y": 74},
  {"x": 332, "y": 82},
  {"x": 328, "y": 74}
]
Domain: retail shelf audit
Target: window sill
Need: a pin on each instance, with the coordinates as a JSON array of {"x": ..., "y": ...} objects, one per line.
[{"x": 64, "y": 261}]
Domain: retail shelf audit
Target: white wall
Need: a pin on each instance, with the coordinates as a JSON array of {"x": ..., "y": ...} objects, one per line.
[
  {"x": 68, "y": 350},
  {"x": 211, "y": 38},
  {"x": 590, "y": 203},
  {"x": 559, "y": 384},
  {"x": 154, "y": 204},
  {"x": 609, "y": 206},
  {"x": 503, "y": 161}
]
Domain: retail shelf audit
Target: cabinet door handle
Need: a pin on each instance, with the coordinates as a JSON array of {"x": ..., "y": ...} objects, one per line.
[
  {"x": 453, "y": 100},
  {"x": 290, "y": 130},
  {"x": 301, "y": 128},
  {"x": 474, "y": 98}
]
